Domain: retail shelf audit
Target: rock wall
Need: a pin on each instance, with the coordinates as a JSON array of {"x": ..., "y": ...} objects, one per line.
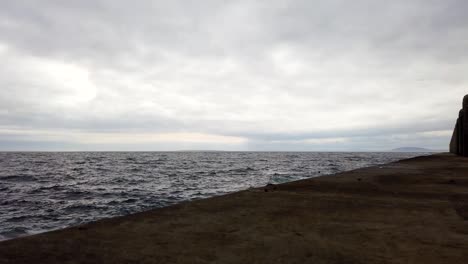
[{"x": 459, "y": 142}]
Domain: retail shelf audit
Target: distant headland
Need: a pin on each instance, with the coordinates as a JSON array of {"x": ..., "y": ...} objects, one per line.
[{"x": 413, "y": 149}]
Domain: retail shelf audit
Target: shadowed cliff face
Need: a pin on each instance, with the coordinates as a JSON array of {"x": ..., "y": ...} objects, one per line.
[{"x": 459, "y": 141}]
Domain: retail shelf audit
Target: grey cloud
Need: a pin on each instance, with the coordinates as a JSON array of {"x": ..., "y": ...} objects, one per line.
[{"x": 263, "y": 70}]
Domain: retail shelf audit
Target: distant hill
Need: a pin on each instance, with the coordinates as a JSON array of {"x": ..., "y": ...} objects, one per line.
[
  {"x": 412, "y": 149},
  {"x": 200, "y": 150}
]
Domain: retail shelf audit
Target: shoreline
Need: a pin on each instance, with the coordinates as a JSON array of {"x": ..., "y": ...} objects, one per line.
[
  {"x": 93, "y": 186},
  {"x": 413, "y": 210}
]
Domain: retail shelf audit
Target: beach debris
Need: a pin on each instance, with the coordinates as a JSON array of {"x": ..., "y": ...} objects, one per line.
[{"x": 270, "y": 187}]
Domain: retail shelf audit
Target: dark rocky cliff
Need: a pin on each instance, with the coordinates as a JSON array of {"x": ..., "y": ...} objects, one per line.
[{"x": 459, "y": 142}]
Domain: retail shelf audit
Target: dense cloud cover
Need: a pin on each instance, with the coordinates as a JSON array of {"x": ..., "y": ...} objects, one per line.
[{"x": 233, "y": 75}]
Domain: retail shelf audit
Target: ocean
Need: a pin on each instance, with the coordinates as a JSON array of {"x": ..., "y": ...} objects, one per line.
[{"x": 45, "y": 191}]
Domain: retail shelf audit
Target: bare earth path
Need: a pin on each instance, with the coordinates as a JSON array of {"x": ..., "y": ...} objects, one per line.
[{"x": 412, "y": 211}]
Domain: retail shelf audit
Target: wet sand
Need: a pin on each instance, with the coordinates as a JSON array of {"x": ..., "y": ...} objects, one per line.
[{"x": 411, "y": 211}]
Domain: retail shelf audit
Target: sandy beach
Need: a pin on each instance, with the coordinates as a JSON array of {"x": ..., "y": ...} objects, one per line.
[{"x": 411, "y": 211}]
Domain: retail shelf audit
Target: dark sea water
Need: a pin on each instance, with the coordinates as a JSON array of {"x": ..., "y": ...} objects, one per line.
[{"x": 46, "y": 191}]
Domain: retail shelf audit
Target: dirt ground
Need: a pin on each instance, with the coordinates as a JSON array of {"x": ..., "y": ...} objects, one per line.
[{"x": 412, "y": 211}]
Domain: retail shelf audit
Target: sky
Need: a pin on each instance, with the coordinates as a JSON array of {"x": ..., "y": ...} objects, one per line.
[{"x": 273, "y": 75}]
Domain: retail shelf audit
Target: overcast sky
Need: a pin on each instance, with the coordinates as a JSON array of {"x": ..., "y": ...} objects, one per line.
[{"x": 233, "y": 75}]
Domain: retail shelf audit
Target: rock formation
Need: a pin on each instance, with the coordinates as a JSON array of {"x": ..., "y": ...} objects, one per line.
[{"x": 459, "y": 142}]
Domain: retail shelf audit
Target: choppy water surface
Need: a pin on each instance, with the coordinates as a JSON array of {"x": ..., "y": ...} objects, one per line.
[{"x": 46, "y": 191}]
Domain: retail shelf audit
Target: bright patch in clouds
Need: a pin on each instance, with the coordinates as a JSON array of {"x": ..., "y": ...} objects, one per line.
[
  {"x": 27, "y": 78},
  {"x": 70, "y": 82}
]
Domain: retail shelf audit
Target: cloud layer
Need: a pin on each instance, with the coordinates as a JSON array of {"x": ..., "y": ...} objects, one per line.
[{"x": 235, "y": 75}]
